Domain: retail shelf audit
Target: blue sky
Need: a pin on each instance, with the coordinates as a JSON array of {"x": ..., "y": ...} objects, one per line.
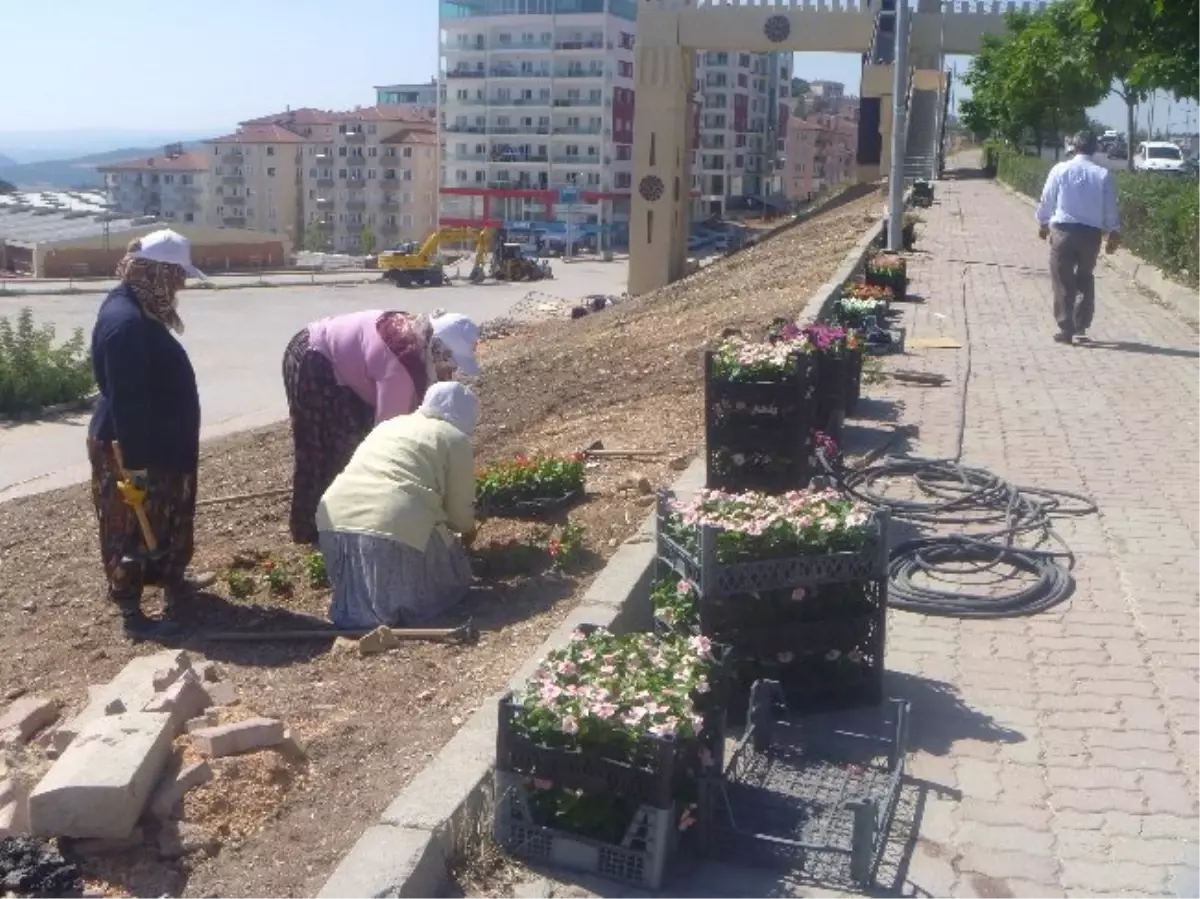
[{"x": 140, "y": 64}]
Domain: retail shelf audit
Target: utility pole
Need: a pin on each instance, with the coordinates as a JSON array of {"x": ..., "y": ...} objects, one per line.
[{"x": 899, "y": 129}]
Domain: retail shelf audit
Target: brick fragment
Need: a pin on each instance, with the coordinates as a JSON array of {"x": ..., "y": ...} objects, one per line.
[
  {"x": 174, "y": 787},
  {"x": 208, "y": 719},
  {"x": 24, "y": 718},
  {"x": 220, "y": 692},
  {"x": 238, "y": 737},
  {"x": 184, "y": 699}
]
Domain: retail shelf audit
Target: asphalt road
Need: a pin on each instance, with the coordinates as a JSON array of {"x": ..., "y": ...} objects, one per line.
[
  {"x": 236, "y": 340},
  {"x": 1117, "y": 165}
]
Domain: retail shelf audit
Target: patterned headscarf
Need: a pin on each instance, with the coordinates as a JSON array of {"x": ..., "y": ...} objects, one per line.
[
  {"x": 410, "y": 338},
  {"x": 155, "y": 284}
]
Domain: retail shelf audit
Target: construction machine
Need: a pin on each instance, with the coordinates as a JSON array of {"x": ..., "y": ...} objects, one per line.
[
  {"x": 410, "y": 266},
  {"x": 509, "y": 263}
]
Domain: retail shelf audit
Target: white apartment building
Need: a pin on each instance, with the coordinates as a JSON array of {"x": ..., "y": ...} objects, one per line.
[
  {"x": 537, "y": 119},
  {"x": 350, "y": 182},
  {"x": 425, "y": 96},
  {"x": 173, "y": 186},
  {"x": 744, "y": 107}
]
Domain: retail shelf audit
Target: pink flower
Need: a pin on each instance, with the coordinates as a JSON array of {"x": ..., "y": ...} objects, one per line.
[
  {"x": 799, "y": 593},
  {"x": 603, "y": 710},
  {"x": 701, "y": 644},
  {"x": 684, "y": 587},
  {"x": 567, "y": 668},
  {"x": 636, "y": 714},
  {"x": 570, "y": 725},
  {"x": 551, "y": 692},
  {"x": 686, "y": 821}
]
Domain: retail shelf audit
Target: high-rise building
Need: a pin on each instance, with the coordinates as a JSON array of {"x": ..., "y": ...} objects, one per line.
[
  {"x": 743, "y": 120},
  {"x": 821, "y": 151},
  {"x": 173, "y": 186},
  {"x": 537, "y": 119},
  {"x": 422, "y": 95},
  {"x": 254, "y": 180}
]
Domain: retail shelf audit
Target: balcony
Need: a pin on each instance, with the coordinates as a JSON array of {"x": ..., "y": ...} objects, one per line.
[
  {"x": 518, "y": 185},
  {"x": 579, "y": 103},
  {"x": 233, "y": 179},
  {"x": 541, "y": 103},
  {"x": 509, "y": 129},
  {"x": 233, "y": 201},
  {"x": 325, "y": 202},
  {"x": 465, "y": 157},
  {"x": 466, "y": 73},
  {"x": 579, "y": 73},
  {"x": 233, "y": 157},
  {"x": 520, "y": 47},
  {"x": 355, "y": 137},
  {"x": 356, "y": 183},
  {"x": 568, "y": 129},
  {"x": 390, "y": 204},
  {"x": 563, "y": 159},
  {"x": 234, "y": 221},
  {"x": 583, "y": 45},
  {"x": 519, "y": 158},
  {"x": 466, "y": 129},
  {"x": 389, "y": 228},
  {"x": 356, "y": 205},
  {"x": 325, "y": 182},
  {"x": 514, "y": 72},
  {"x": 324, "y": 158}
]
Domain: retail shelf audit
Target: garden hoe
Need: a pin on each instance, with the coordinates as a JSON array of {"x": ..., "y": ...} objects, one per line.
[
  {"x": 464, "y": 633},
  {"x": 135, "y": 498}
]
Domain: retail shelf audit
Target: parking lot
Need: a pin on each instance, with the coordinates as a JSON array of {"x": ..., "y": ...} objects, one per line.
[{"x": 236, "y": 340}]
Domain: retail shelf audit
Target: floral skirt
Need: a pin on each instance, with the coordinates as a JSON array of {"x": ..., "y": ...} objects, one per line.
[
  {"x": 377, "y": 581},
  {"x": 329, "y": 421},
  {"x": 171, "y": 510}
]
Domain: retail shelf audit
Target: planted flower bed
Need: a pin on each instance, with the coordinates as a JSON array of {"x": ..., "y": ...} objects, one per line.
[
  {"x": 759, "y": 403},
  {"x": 529, "y": 486},
  {"x": 838, "y": 356},
  {"x": 889, "y": 270},
  {"x": 859, "y": 302},
  {"x": 599, "y": 759}
]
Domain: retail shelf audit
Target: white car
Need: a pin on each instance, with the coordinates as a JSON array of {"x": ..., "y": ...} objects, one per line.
[{"x": 1159, "y": 156}]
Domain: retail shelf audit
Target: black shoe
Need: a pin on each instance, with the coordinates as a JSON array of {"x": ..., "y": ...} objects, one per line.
[
  {"x": 1062, "y": 337},
  {"x": 139, "y": 626}
]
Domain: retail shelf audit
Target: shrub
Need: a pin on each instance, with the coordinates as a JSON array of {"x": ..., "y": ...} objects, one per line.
[
  {"x": 1160, "y": 214},
  {"x": 34, "y": 373}
]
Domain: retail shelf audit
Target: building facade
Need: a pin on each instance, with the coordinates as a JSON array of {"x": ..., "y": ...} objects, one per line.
[
  {"x": 174, "y": 186},
  {"x": 537, "y": 120},
  {"x": 425, "y": 96},
  {"x": 349, "y": 182},
  {"x": 744, "y": 110},
  {"x": 820, "y": 153}
]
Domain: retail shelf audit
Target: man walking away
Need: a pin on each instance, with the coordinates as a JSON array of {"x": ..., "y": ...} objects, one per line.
[{"x": 1079, "y": 204}]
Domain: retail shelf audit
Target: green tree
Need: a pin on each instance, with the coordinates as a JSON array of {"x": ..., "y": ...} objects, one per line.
[
  {"x": 367, "y": 239},
  {"x": 316, "y": 237},
  {"x": 1152, "y": 44}
]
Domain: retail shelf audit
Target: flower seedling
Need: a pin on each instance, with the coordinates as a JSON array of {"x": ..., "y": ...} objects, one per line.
[
  {"x": 738, "y": 359},
  {"x": 278, "y": 581},
  {"x": 314, "y": 571},
  {"x": 529, "y": 478},
  {"x": 565, "y": 545},
  {"x": 241, "y": 584},
  {"x": 674, "y": 602}
]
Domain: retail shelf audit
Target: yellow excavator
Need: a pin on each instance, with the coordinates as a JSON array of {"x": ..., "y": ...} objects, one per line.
[{"x": 410, "y": 266}]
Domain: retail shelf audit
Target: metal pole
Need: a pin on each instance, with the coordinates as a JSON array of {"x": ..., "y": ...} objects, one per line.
[{"x": 899, "y": 96}]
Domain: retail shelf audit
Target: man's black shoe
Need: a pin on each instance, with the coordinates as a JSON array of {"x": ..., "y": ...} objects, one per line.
[{"x": 1062, "y": 337}]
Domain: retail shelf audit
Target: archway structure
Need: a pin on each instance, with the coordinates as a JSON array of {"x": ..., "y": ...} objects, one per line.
[{"x": 669, "y": 32}]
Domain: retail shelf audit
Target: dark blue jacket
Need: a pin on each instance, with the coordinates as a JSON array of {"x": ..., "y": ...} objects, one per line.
[{"x": 148, "y": 399}]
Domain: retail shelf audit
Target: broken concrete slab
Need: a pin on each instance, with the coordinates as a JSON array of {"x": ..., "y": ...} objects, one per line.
[
  {"x": 24, "y": 718},
  {"x": 183, "y": 700},
  {"x": 208, "y": 671},
  {"x": 14, "y": 819},
  {"x": 174, "y": 786},
  {"x": 220, "y": 692},
  {"x": 238, "y": 737},
  {"x": 133, "y": 686},
  {"x": 109, "y": 846},
  {"x": 100, "y": 785},
  {"x": 208, "y": 719}
]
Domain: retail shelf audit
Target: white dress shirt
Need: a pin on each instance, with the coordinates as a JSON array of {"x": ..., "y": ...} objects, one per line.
[{"x": 1080, "y": 192}]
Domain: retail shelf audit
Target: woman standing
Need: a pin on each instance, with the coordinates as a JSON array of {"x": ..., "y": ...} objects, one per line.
[
  {"x": 345, "y": 374},
  {"x": 144, "y": 438},
  {"x": 386, "y": 521}
]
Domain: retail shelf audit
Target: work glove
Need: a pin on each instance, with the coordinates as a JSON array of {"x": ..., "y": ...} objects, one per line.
[{"x": 133, "y": 487}]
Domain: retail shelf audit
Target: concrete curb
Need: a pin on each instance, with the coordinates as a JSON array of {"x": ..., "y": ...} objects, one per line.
[
  {"x": 434, "y": 819},
  {"x": 98, "y": 289},
  {"x": 1136, "y": 270},
  {"x": 48, "y": 413}
]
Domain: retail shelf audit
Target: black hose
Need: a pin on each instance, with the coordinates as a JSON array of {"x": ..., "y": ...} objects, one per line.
[{"x": 999, "y": 513}]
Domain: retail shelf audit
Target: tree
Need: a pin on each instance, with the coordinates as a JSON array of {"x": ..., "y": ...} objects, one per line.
[
  {"x": 800, "y": 89},
  {"x": 1154, "y": 44},
  {"x": 316, "y": 237},
  {"x": 6, "y": 188},
  {"x": 367, "y": 239}
]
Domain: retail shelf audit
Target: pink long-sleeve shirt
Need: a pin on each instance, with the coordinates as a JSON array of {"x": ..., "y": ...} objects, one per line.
[{"x": 362, "y": 362}]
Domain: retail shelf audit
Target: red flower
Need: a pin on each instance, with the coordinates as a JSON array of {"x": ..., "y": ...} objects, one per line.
[{"x": 554, "y": 548}]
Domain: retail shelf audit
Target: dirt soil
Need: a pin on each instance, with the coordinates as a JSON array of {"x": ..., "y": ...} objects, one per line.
[{"x": 629, "y": 376}]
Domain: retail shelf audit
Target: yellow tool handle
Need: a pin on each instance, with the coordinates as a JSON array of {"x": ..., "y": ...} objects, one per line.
[{"x": 135, "y": 497}]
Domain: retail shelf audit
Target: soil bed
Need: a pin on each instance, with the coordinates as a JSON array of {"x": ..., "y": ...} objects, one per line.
[{"x": 273, "y": 826}]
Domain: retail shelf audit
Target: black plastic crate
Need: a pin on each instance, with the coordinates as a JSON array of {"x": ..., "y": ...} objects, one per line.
[
  {"x": 898, "y": 282},
  {"x": 695, "y": 558},
  {"x": 854, "y": 370},
  {"x": 833, "y": 383},
  {"x": 814, "y": 794},
  {"x": 759, "y": 434}
]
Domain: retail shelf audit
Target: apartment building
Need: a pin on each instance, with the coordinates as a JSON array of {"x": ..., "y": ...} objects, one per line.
[
  {"x": 173, "y": 186},
  {"x": 349, "y": 182},
  {"x": 254, "y": 175},
  {"x": 425, "y": 96},
  {"x": 744, "y": 110},
  {"x": 537, "y": 120},
  {"x": 820, "y": 152}
]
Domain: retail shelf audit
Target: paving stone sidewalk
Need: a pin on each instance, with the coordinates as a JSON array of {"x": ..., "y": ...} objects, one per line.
[{"x": 1056, "y": 755}]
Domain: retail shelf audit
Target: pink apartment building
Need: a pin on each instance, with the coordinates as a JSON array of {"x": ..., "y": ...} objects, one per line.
[{"x": 820, "y": 152}]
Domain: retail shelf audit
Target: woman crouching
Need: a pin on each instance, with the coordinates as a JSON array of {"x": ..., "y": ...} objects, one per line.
[{"x": 386, "y": 521}]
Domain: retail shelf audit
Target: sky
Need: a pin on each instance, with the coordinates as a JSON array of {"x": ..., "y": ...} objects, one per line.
[{"x": 82, "y": 64}]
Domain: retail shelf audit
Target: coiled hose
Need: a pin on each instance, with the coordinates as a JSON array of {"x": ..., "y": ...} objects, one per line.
[{"x": 998, "y": 512}]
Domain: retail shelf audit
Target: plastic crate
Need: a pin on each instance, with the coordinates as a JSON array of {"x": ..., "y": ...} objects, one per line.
[
  {"x": 713, "y": 578},
  {"x": 640, "y": 859},
  {"x": 854, "y": 369},
  {"x": 833, "y": 379},
  {"x": 814, "y": 794},
  {"x": 897, "y": 282},
  {"x": 759, "y": 434}
]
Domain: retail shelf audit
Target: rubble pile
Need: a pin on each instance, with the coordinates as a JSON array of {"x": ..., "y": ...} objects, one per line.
[
  {"x": 32, "y": 867},
  {"x": 119, "y": 771}
]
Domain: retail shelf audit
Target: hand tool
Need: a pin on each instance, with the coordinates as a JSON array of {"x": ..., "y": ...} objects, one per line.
[
  {"x": 464, "y": 633},
  {"x": 135, "y": 498}
]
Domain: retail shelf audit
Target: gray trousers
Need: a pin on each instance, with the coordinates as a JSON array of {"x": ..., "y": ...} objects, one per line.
[{"x": 1074, "y": 250}]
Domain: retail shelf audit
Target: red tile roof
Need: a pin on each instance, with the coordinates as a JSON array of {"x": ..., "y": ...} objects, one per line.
[
  {"x": 259, "y": 134},
  {"x": 185, "y": 162},
  {"x": 294, "y": 118},
  {"x": 412, "y": 136}
]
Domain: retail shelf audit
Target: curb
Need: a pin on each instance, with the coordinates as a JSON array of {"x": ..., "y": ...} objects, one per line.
[
  {"x": 1134, "y": 269},
  {"x": 433, "y": 820},
  {"x": 6, "y": 291}
]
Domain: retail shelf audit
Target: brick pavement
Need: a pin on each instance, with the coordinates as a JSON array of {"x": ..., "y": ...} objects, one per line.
[{"x": 1056, "y": 755}]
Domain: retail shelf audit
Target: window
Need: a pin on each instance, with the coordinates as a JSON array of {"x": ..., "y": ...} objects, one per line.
[
  {"x": 371, "y": 151},
  {"x": 270, "y": 151},
  {"x": 625, "y": 69},
  {"x": 461, "y": 176},
  {"x": 271, "y": 173},
  {"x": 341, "y": 173},
  {"x": 390, "y": 151},
  {"x": 341, "y": 151},
  {"x": 406, "y": 221},
  {"x": 624, "y": 152},
  {"x": 188, "y": 217},
  {"x": 407, "y": 154},
  {"x": 370, "y": 174},
  {"x": 623, "y": 180}
]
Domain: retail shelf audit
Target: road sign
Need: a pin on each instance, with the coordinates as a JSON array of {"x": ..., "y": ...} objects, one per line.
[{"x": 568, "y": 195}]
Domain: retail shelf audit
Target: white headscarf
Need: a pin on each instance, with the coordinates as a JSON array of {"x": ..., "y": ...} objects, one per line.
[{"x": 453, "y": 403}]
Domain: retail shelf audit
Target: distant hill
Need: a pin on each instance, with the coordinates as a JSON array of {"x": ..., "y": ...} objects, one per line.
[
  {"x": 6, "y": 160},
  {"x": 77, "y": 172}
]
